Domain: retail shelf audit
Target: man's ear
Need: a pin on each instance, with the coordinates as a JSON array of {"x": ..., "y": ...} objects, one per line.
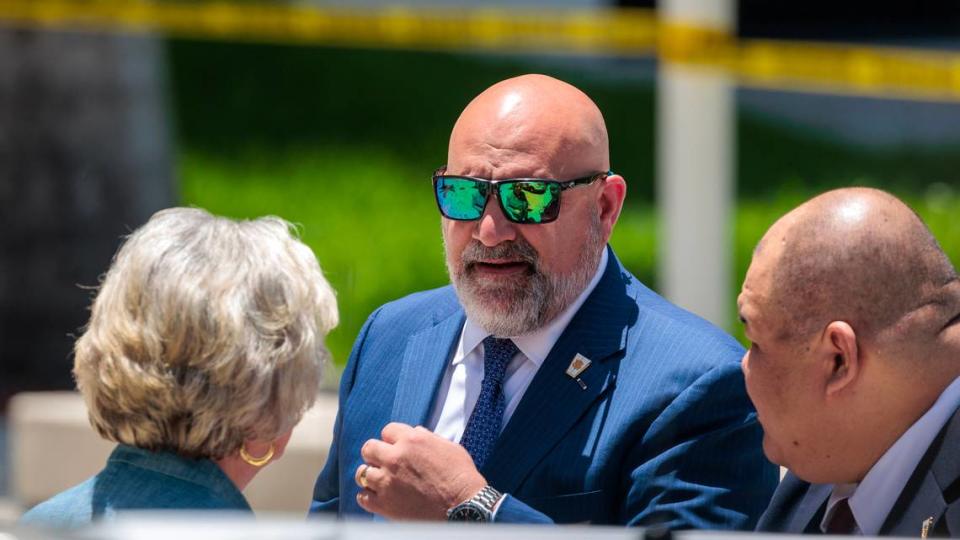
[
  {"x": 842, "y": 363},
  {"x": 610, "y": 201}
]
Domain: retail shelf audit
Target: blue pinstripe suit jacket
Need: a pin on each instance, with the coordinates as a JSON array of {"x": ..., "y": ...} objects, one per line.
[{"x": 663, "y": 434}]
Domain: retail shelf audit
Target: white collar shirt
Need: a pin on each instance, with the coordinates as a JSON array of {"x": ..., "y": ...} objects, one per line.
[
  {"x": 872, "y": 499},
  {"x": 460, "y": 386}
]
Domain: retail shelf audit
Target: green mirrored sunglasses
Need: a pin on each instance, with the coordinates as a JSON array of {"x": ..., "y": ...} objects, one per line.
[{"x": 523, "y": 200}]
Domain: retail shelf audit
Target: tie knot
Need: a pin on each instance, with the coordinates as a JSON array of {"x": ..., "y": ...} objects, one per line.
[{"x": 497, "y": 353}]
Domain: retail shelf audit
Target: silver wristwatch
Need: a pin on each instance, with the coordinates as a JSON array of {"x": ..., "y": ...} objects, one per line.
[{"x": 478, "y": 508}]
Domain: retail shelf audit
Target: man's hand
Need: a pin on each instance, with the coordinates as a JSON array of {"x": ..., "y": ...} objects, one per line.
[{"x": 414, "y": 474}]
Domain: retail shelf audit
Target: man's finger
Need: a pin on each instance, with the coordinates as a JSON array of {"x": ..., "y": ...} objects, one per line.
[
  {"x": 393, "y": 431},
  {"x": 375, "y": 503},
  {"x": 368, "y": 501},
  {"x": 377, "y": 453}
]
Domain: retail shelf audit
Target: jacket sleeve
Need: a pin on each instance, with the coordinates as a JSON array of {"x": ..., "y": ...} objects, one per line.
[
  {"x": 326, "y": 491},
  {"x": 700, "y": 465},
  {"x": 512, "y": 510}
]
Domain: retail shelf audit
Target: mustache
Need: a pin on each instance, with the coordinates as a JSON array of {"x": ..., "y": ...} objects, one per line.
[{"x": 517, "y": 250}]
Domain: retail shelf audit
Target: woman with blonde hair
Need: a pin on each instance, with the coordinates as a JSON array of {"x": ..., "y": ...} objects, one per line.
[{"x": 205, "y": 346}]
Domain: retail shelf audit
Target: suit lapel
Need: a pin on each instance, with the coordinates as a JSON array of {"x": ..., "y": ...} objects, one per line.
[
  {"x": 946, "y": 470},
  {"x": 950, "y": 526},
  {"x": 426, "y": 356},
  {"x": 554, "y": 401},
  {"x": 923, "y": 496},
  {"x": 925, "y": 501},
  {"x": 810, "y": 511}
]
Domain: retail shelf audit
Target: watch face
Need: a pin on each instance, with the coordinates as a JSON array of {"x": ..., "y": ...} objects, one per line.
[{"x": 467, "y": 512}]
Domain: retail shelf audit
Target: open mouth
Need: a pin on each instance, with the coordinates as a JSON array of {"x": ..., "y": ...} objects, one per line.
[{"x": 501, "y": 267}]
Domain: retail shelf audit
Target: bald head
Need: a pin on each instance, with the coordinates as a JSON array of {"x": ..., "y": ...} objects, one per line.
[
  {"x": 532, "y": 125},
  {"x": 861, "y": 256}
]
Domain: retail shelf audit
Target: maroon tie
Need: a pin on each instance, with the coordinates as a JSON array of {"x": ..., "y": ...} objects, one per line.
[{"x": 841, "y": 522}]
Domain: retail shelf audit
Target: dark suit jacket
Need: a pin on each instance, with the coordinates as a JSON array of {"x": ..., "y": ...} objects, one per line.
[
  {"x": 932, "y": 491},
  {"x": 663, "y": 432}
]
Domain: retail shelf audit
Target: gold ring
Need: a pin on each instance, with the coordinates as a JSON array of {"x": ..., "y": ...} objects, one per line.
[{"x": 363, "y": 476}]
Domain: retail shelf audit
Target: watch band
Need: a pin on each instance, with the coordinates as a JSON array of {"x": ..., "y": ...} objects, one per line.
[
  {"x": 487, "y": 498},
  {"x": 480, "y": 507}
]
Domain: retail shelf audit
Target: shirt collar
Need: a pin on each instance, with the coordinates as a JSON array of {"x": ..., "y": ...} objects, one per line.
[
  {"x": 874, "y": 497},
  {"x": 535, "y": 345}
]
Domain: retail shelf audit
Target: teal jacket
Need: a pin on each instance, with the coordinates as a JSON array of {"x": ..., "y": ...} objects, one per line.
[{"x": 137, "y": 479}]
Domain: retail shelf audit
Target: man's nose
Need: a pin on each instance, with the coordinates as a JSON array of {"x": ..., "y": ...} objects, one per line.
[{"x": 493, "y": 227}]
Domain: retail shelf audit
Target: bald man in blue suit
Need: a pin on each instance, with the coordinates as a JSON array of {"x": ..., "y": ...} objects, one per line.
[{"x": 547, "y": 385}]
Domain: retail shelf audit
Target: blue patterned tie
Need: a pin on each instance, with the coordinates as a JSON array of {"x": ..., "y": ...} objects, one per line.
[{"x": 483, "y": 428}]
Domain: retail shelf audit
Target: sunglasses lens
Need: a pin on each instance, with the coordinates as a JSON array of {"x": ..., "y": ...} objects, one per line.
[
  {"x": 530, "y": 201},
  {"x": 460, "y": 198}
]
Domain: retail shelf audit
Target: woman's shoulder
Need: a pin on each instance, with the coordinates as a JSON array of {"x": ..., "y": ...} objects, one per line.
[
  {"x": 136, "y": 479},
  {"x": 70, "y": 508}
]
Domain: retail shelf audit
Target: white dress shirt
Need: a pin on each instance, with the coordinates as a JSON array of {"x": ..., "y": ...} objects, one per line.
[
  {"x": 872, "y": 499},
  {"x": 460, "y": 387}
]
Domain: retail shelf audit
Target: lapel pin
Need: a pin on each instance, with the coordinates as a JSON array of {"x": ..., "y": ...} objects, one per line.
[
  {"x": 925, "y": 529},
  {"x": 578, "y": 365}
]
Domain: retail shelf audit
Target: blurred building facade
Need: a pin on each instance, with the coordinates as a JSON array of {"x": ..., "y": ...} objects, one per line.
[{"x": 85, "y": 157}]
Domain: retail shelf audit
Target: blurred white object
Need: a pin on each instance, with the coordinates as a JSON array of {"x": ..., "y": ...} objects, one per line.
[
  {"x": 163, "y": 526},
  {"x": 53, "y": 447},
  {"x": 695, "y": 186}
]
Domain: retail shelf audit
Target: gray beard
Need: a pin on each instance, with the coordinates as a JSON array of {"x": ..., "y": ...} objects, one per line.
[{"x": 517, "y": 305}]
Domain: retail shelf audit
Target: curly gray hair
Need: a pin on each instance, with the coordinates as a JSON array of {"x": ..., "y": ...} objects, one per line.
[{"x": 205, "y": 332}]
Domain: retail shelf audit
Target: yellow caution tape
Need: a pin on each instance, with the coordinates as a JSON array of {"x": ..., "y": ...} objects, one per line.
[
  {"x": 889, "y": 72},
  {"x": 817, "y": 67},
  {"x": 568, "y": 31},
  {"x": 896, "y": 72}
]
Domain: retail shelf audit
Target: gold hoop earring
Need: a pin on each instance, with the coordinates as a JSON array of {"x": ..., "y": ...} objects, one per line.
[{"x": 256, "y": 462}]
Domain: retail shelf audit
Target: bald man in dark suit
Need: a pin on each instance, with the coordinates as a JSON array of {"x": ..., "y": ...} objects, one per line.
[{"x": 853, "y": 310}]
